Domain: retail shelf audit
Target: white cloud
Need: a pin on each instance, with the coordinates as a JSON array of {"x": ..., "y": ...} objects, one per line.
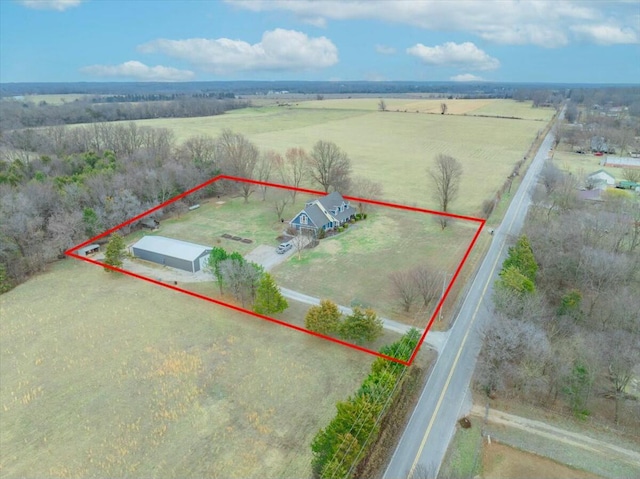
[
  {"x": 279, "y": 50},
  {"x": 59, "y": 5},
  {"x": 385, "y": 50},
  {"x": 139, "y": 71},
  {"x": 459, "y": 55},
  {"x": 606, "y": 34},
  {"x": 546, "y": 23},
  {"x": 466, "y": 77},
  {"x": 319, "y": 22}
]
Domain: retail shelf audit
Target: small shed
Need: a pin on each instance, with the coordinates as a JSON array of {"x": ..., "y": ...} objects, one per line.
[
  {"x": 150, "y": 223},
  {"x": 88, "y": 250},
  {"x": 172, "y": 252}
]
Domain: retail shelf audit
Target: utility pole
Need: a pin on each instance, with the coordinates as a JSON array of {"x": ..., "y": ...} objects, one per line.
[{"x": 445, "y": 275}]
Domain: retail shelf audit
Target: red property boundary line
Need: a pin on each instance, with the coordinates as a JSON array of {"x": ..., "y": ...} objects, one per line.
[{"x": 481, "y": 222}]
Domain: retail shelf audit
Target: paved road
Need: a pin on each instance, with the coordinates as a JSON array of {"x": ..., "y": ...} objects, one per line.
[
  {"x": 432, "y": 424},
  {"x": 435, "y": 339}
]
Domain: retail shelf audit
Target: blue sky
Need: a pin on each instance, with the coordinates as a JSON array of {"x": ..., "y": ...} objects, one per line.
[{"x": 429, "y": 40}]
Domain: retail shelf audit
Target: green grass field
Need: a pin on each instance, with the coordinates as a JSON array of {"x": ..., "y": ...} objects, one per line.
[
  {"x": 393, "y": 148},
  {"x": 108, "y": 376},
  {"x": 350, "y": 268}
]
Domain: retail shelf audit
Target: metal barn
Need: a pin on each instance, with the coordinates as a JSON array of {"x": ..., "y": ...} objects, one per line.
[{"x": 172, "y": 252}]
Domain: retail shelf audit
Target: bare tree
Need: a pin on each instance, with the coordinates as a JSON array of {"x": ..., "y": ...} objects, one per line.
[
  {"x": 382, "y": 106},
  {"x": 303, "y": 237},
  {"x": 631, "y": 175},
  {"x": 280, "y": 201},
  {"x": 550, "y": 176},
  {"x": 263, "y": 169},
  {"x": 330, "y": 167},
  {"x": 294, "y": 169},
  {"x": 404, "y": 288},
  {"x": 238, "y": 157},
  {"x": 201, "y": 149},
  {"x": 445, "y": 174},
  {"x": 443, "y": 108},
  {"x": 367, "y": 189},
  {"x": 427, "y": 284}
]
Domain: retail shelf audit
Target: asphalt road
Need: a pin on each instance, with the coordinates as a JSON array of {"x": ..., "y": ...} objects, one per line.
[{"x": 432, "y": 424}]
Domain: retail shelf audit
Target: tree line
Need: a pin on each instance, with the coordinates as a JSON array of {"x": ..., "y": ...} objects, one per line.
[
  {"x": 18, "y": 114},
  {"x": 60, "y": 185},
  {"x": 339, "y": 448}
]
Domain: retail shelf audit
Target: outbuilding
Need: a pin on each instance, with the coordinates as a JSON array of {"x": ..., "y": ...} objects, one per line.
[
  {"x": 172, "y": 252},
  {"x": 88, "y": 250}
]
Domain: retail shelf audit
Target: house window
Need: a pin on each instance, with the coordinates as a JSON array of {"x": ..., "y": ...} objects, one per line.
[{"x": 303, "y": 219}]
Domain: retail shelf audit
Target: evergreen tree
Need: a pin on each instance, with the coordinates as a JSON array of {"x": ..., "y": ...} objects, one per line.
[
  {"x": 513, "y": 279},
  {"x": 217, "y": 256},
  {"x": 323, "y": 319},
  {"x": 269, "y": 300},
  {"x": 5, "y": 282},
  {"x": 521, "y": 256},
  {"x": 115, "y": 252},
  {"x": 361, "y": 326}
]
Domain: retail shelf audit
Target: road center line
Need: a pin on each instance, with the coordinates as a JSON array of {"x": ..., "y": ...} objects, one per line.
[{"x": 464, "y": 340}]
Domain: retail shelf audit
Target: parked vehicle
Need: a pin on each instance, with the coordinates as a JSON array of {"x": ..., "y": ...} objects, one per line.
[{"x": 284, "y": 247}]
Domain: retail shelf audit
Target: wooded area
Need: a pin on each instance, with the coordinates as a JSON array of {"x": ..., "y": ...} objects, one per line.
[{"x": 566, "y": 327}]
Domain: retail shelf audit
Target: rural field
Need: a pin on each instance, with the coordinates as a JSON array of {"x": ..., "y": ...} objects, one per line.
[
  {"x": 504, "y": 462},
  {"x": 108, "y": 376},
  {"x": 393, "y": 148}
]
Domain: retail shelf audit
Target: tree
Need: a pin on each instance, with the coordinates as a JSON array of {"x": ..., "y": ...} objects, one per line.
[
  {"x": 263, "y": 170},
  {"x": 280, "y": 201},
  {"x": 382, "y": 106},
  {"x": 241, "y": 277},
  {"x": 5, "y": 281},
  {"x": 329, "y": 166},
  {"x": 521, "y": 257},
  {"x": 631, "y": 175},
  {"x": 512, "y": 279},
  {"x": 443, "y": 108},
  {"x": 115, "y": 252},
  {"x": 445, "y": 174},
  {"x": 269, "y": 299},
  {"x": 427, "y": 284},
  {"x": 217, "y": 256},
  {"x": 237, "y": 157},
  {"x": 361, "y": 325},
  {"x": 365, "y": 188},
  {"x": 404, "y": 288},
  {"x": 323, "y": 319}
]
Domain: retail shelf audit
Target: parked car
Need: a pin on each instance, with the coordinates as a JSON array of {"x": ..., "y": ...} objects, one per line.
[{"x": 284, "y": 247}]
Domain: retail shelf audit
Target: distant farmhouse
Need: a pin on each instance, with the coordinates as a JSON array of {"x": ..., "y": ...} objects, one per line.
[
  {"x": 324, "y": 213},
  {"x": 172, "y": 252}
]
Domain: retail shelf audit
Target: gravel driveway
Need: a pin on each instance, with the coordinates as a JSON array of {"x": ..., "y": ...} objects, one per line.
[{"x": 267, "y": 257}]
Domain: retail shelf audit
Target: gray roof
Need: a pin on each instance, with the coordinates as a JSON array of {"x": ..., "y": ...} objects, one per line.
[
  {"x": 316, "y": 215},
  {"x": 332, "y": 200},
  {"x": 172, "y": 247},
  {"x": 89, "y": 247},
  {"x": 622, "y": 161}
]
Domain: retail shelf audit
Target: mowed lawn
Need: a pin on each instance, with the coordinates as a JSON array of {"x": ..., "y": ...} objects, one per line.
[
  {"x": 107, "y": 376},
  {"x": 393, "y": 148},
  {"x": 351, "y": 268},
  {"x": 255, "y": 220}
]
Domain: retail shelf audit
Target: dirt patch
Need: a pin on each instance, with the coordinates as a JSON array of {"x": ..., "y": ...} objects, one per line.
[{"x": 504, "y": 462}]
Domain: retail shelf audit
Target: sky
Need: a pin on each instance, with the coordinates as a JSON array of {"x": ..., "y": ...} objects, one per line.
[{"x": 549, "y": 41}]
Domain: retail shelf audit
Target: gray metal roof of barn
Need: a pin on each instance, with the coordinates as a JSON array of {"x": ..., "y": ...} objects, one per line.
[{"x": 171, "y": 247}]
